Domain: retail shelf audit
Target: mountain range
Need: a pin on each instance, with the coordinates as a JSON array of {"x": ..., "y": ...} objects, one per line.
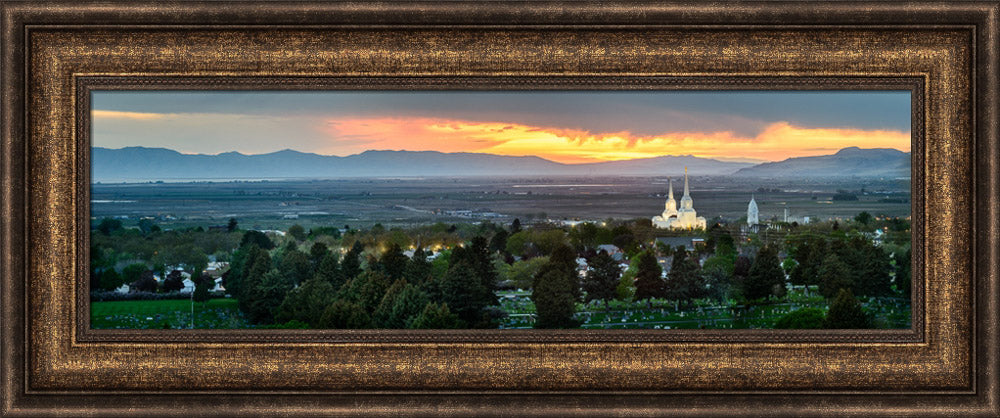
[
  {"x": 150, "y": 164},
  {"x": 848, "y": 162}
]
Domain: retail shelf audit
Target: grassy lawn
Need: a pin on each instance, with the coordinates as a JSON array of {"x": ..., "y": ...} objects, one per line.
[{"x": 173, "y": 313}]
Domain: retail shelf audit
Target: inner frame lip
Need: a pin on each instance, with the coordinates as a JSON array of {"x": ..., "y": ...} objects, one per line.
[{"x": 915, "y": 84}]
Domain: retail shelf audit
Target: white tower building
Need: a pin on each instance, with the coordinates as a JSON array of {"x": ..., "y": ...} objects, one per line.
[{"x": 752, "y": 214}]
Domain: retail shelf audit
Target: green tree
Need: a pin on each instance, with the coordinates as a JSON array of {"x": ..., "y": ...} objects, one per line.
[
  {"x": 145, "y": 226},
  {"x": 805, "y": 318},
  {"x": 343, "y": 314},
  {"x": 863, "y": 218},
  {"x": 499, "y": 241},
  {"x": 258, "y": 238},
  {"x": 231, "y": 226},
  {"x": 394, "y": 262},
  {"x": 436, "y": 316},
  {"x": 684, "y": 282},
  {"x": 329, "y": 271},
  {"x": 554, "y": 290},
  {"x": 174, "y": 281},
  {"x": 648, "y": 281},
  {"x": 306, "y": 303},
  {"x": 351, "y": 264},
  {"x": 554, "y": 300},
  {"x": 110, "y": 280},
  {"x": 382, "y": 315},
  {"x": 766, "y": 276},
  {"x": 603, "y": 276},
  {"x": 522, "y": 273},
  {"x": 846, "y": 313},
  {"x": 418, "y": 269},
  {"x": 203, "y": 285},
  {"x": 317, "y": 252},
  {"x": 264, "y": 298},
  {"x": 834, "y": 275},
  {"x": 464, "y": 292},
  {"x": 295, "y": 265},
  {"x": 297, "y": 232},
  {"x": 407, "y": 307},
  {"x": 133, "y": 272},
  {"x": 108, "y": 225}
]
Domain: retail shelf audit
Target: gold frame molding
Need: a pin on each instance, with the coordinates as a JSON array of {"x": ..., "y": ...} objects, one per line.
[{"x": 55, "y": 53}]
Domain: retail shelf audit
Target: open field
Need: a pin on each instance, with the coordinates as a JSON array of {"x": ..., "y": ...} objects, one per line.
[
  {"x": 171, "y": 313},
  {"x": 415, "y": 201}
]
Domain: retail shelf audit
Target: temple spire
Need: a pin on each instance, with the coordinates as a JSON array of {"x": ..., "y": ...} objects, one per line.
[
  {"x": 685, "y": 181},
  {"x": 670, "y": 194}
]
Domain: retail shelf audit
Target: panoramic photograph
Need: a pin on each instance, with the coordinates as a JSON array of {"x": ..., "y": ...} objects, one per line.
[{"x": 598, "y": 210}]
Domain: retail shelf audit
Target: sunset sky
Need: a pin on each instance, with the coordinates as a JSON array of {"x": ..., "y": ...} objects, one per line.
[{"x": 568, "y": 127}]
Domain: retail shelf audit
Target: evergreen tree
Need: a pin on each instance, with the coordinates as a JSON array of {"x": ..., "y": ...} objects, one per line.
[
  {"x": 833, "y": 276},
  {"x": 296, "y": 266},
  {"x": 602, "y": 277},
  {"x": 382, "y": 316},
  {"x": 297, "y": 232},
  {"x": 306, "y": 303},
  {"x": 436, "y": 316},
  {"x": 765, "y": 277},
  {"x": 329, "y": 271},
  {"x": 111, "y": 280},
  {"x": 393, "y": 262},
  {"x": 874, "y": 277},
  {"x": 258, "y": 238},
  {"x": 343, "y": 314},
  {"x": 499, "y": 241},
  {"x": 253, "y": 280},
  {"x": 263, "y": 298},
  {"x": 846, "y": 313},
  {"x": 684, "y": 281},
  {"x": 351, "y": 264},
  {"x": 418, "y": 269},
  {"x": 515, "y": 226},
  {"x": 231, "y": 226},
  {"x": 367, "y": 290},
  {"x": 553, "y": 291},
  {"x": 464, "y": 293},
  {"x": 408, "y": 306},
  {"x": 202, "y": 287},
  {"x": 648, "y": 281},
  {"x": 317, "y": 252}
]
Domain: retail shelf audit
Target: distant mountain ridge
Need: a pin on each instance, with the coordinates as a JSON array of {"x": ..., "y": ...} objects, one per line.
[
  {"x": 144, "y": 164},
  {"x": 150, "y": 164},
  {"x": 848, "y": 162}
]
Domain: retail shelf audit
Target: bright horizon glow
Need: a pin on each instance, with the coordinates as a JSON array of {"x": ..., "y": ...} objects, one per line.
[{"x": 570, "y": 128}]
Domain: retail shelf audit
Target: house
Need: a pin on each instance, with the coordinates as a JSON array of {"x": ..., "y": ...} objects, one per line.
[
  {"x": 188, "y": 285},
  {"x": 123, "y": 289},
  {"x": 218, "y": 288},
  {"x": 689, "y": 243},
  {"x": 612, "y": 250}
]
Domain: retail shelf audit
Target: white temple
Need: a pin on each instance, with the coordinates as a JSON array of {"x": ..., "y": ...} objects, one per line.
[
  {"x": 683, "y": 218},
  {"x": 752, "y": 214}
]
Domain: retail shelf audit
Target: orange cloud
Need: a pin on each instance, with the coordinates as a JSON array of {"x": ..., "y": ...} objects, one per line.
[
  {"x": 777, "y": 141},
  {"x": 115, "y": 114}
]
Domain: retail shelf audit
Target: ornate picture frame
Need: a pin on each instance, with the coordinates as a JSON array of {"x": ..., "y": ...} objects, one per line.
[{"x": 945, "y": 54}]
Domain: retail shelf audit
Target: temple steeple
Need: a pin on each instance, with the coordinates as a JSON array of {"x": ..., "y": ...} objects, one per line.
[
  {"x": 670, "y": 194},
  {"x": 685, "y": 182}
]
